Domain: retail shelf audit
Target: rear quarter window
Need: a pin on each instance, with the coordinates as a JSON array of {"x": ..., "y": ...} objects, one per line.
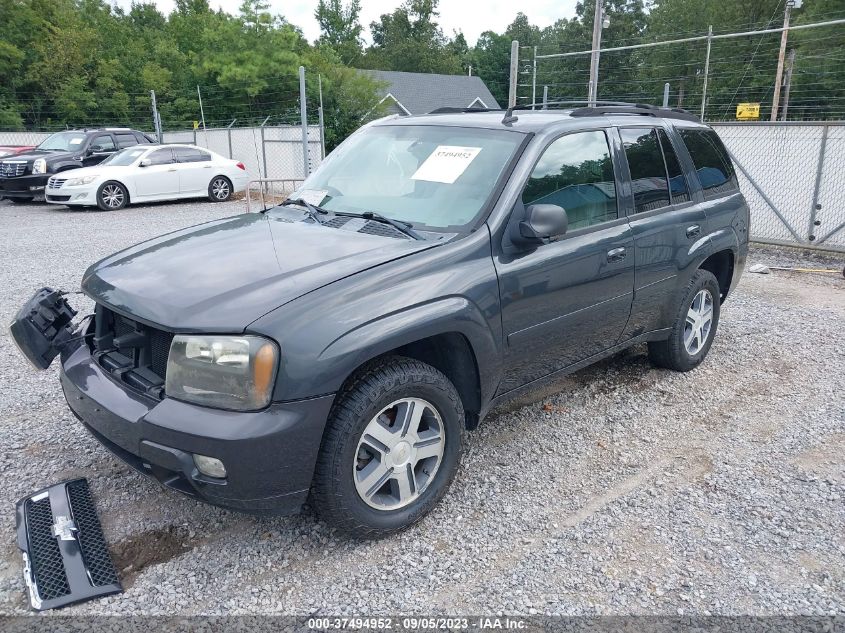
[{"x": 712, "y": 163}]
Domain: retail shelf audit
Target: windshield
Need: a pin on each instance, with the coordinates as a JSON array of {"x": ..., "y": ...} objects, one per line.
[
  {"x": 431, "y": 176},
  {"x": 125, "y": 157},
  {"x": 64, "y": 141}
]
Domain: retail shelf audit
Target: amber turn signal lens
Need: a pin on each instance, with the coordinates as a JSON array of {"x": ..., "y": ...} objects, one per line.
[{"x": 263, "y": 366}]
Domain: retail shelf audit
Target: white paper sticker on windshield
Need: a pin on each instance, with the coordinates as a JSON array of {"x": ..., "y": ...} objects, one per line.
[
  {"x": 446, "y": 163},
  {"x": 312, "y": 196},
  {"x": 77, "y": 140}
]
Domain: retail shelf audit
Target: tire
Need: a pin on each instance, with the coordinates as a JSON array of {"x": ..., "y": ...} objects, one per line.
[
  {"x": 348, "y": 461},
  {"x": 111, "y": 196},
  {"x": 683, "y": 350},
  {"x": 25, "y": 200},
  {"x": 219, "y": 189}
]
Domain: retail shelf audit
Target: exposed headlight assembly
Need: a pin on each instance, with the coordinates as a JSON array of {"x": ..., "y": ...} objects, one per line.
[
  {"x": 227, "y": 372},
  {"x": 85, "y": 180},
  {"x": 39, "y": 166}
]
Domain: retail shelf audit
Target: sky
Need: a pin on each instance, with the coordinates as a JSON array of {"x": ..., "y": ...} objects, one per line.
[{"x": 472, "y": 17}]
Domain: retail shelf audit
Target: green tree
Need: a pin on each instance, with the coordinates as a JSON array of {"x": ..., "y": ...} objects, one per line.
[
  {"x": 410, "y": 39},
  {"x": 340, "y": 29}
]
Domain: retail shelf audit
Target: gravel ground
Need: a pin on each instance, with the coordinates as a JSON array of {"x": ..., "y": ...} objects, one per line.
[{"x": 621, "y": 489}]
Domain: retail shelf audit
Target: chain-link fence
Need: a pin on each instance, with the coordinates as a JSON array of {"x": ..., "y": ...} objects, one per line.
[
  {"x": 792, "y": 175},
  {"x": 267, "y": 152},
  {"x": 275, "y": 152}
]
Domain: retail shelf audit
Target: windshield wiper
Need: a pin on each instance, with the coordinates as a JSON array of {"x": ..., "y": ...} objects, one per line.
[
  {"x": 402, "y": 227},
  {"x": 313, "y": 210}
]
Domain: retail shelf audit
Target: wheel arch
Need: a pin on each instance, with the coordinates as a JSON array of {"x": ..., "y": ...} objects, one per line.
[
  {"x": 449, "y": 335},
  {"x": 721, "y": 264}
]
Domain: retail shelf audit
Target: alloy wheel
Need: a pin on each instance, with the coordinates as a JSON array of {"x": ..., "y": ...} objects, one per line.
[
  {"x": 220, "y": 189},
  {"x": 699, "y": 322},
  {"x": 112, "y": 196},
  {"x": 399, "y": 454}
]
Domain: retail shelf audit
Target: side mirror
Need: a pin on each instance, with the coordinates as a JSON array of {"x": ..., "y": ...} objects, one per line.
[
  {"x": 146, "y": 162},
  {"x": 540, "y": 222},
  {"x": 94, "y": 149}
]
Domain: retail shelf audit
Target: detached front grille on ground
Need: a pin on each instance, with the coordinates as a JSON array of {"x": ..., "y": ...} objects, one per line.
[{"x": 65, "y": 556}]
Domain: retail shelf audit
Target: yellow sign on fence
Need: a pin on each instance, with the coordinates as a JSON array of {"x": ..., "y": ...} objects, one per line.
[
  {"x": 747, "y": 111},
  {"x": 196, "y": 124}
]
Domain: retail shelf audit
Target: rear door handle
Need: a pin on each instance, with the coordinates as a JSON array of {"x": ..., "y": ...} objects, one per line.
[
  {"x": 615, "y": 255},
  {"x": 693, "y": 230}
]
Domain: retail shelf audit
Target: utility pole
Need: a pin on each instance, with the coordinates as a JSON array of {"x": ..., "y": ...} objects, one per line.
[
  {"x": 534, "y": 81},
  {"x": 156, "y": 118},
  {"x": 514, "y": 72},
  {"x": 303, "y": 116},
  {"x": 469, "y": 71},
  {"x": 787, "y": 83},
  {"x": 593, "y": 89},
  {"x": 666, "y": 95},
  {"x": 706, "y": 71},
  {"x": 202, "y": 116},
  {"x": 781, "y": 53},
  {"x": 322, "y": 122}
]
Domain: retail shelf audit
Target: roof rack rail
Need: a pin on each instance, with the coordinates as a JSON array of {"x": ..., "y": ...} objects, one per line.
[
  {"x": 640, "y": 109},
  {"x": 527, "y": 106},
  {"x": 458, "y": 110},
  {"x": 599, "y": 108}
]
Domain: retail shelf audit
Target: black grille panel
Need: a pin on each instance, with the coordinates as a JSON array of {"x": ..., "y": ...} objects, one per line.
[
  {"x": 48, "y": 569},
  {"x": 95, "y": 553},
  {"x": 160, "y": 350}
]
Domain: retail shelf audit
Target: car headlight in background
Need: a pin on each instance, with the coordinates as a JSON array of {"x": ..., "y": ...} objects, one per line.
[
  {"x": 39, "y": 166},
  {"x": 228, "y": 372},
  {"x": 72, "y": 182}
]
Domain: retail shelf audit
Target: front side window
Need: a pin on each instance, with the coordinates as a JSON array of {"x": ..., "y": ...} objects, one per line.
[
  {"x": 711, "y": 160},
  {"x": 576, "y": 173},
  {"x": 648, "y": 171},
  {"x": 677, "y": 180},
  {"x": 103, "y": 143},
  {"x": 439, "y": 177},
  {"x": 161, "y": 157}
]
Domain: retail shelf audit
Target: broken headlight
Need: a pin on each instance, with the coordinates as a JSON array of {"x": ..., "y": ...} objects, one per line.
[{"x": 228, "y": 372}]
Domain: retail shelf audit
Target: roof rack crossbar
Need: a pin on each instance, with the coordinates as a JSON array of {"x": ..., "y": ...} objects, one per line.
[{"x": 637, "y": 109}]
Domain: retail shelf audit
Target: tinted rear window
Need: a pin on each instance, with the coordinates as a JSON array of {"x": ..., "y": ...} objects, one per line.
[
  {"x": 190, "y": 155},
  {"x": 648, "y": 173},
  {"x": 714, "y": 167},
  {"x": 677, "y": 180}
]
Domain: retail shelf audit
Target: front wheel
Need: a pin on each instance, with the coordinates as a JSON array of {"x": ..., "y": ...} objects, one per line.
[
  {"x": 112, "y": 196},
  {"x": 694, "y": 327},
  {"x": 219, "y": 189},
  {"x": 391, "y": 448}
]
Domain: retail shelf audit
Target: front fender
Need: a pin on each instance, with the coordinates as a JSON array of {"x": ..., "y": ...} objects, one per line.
[{"x": 448, "y": 315}]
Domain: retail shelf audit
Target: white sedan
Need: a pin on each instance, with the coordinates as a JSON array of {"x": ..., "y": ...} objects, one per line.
[{"x": 148, "y": 174}]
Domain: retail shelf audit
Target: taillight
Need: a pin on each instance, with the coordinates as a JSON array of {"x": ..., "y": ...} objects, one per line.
[{"x": 241, "y": 166}]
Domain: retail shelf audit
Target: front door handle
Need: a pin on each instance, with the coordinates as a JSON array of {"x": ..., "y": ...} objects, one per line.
[
  {"x": 616, "y": 255},
  {"x": 693, "y": 231}
]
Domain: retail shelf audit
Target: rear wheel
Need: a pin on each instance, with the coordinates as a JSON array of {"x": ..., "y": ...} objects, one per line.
[
  {"x": 220, "y": 189},
  {"x": 391, "y": 448},
  {"x": 112, "y": 196},
  {"x": 694, "y": 327}
]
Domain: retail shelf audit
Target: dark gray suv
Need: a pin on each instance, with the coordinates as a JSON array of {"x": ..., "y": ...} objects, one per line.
[{"x": 341, "y": 344}]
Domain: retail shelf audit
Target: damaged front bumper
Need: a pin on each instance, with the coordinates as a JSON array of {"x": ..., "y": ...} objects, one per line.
[{"x": 269, "y": 455}]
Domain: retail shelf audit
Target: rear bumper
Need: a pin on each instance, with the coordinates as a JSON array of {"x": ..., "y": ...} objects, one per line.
[
  {"x": 23, "y": 186},
  {"x": 269, "y": 455}
]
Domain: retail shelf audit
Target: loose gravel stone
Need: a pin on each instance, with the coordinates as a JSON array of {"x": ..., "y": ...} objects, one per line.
[{"x": 620, "y": 489}]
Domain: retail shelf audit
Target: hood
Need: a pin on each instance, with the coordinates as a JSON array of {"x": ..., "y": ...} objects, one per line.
[
  {"x": 223, "y": 275},
  {"x": 31, "y": 155}
]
